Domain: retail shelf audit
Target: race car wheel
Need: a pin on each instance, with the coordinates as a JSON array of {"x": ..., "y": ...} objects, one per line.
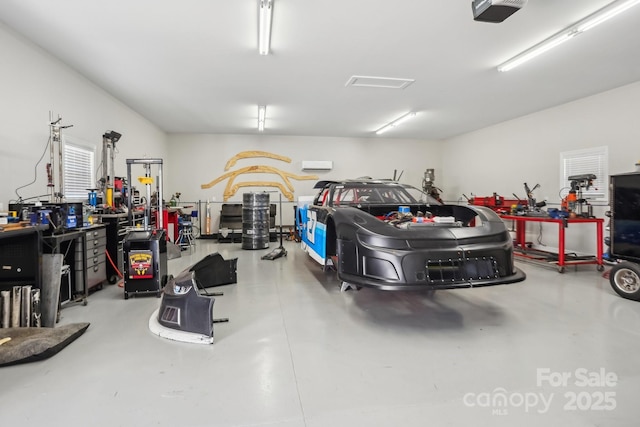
[{"x": 625, "y": 280}]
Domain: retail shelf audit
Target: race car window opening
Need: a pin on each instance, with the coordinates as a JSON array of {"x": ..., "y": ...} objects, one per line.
[
  {"x": 357, "y": 195},
  {"x": 323, "y": 197},
  {"x": 347, "y": 196}
]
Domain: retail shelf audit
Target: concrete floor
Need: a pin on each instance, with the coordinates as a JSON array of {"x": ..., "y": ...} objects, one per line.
[{"x": 298, "y": 352}]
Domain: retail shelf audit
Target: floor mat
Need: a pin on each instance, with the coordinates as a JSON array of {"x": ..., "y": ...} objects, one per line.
[{"x": 32, "y": 344}]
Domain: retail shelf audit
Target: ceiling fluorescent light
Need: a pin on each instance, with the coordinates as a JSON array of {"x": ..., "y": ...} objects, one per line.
[
  {"x": 395, "y": 123},
  {"x": 264, "y": 26},
  {"x": 568, "y": 33},
  {"x": 605, "y": 14},
  {"x": 262, "y": 114},
  {"x": 536, "y": 50}
]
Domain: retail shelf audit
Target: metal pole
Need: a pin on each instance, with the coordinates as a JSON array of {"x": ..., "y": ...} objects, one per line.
[
  {"x": 105, "y": 167},
  {"x": 280, "y": 209},
  {"x": 147, "y": 207},
  {"x": 51, "y": 184},
  {"x": 112, "y": 170},
  {"x": 60, "y": 197},
  {"x": 160, "y": 193},
  {"x": 130, "y": 198}
]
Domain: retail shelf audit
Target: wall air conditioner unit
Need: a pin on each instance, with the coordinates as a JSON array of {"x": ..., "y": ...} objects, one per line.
[
  {"x": 317, "y": 165},
  {"x": 495, "y": 10}
]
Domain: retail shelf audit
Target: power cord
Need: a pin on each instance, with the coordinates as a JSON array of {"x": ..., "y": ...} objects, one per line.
[
  {"x": 35, "y": 170},
  {"x": 121, "y": 281},
  {"x": 539, "y": 239}
]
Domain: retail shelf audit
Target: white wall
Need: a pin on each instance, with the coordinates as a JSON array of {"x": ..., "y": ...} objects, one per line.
[
  {"x": 199, "y": 159},
  {"x": 502, "y": 157},
  {"x": 32, "y": 83}
]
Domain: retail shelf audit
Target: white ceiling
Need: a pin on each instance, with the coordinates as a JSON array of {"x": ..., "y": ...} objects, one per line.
[{"x": 193, "y": 65}]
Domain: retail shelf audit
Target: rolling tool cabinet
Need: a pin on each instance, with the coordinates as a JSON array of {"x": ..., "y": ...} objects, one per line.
[{"x": 92, "y": 258}]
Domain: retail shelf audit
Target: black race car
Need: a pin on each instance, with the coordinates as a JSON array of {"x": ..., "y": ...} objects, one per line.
[{"x": 392, "y": 236}]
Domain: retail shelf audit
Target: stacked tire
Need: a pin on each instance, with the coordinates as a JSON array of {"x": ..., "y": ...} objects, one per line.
[{"x": 255, "y": 220}]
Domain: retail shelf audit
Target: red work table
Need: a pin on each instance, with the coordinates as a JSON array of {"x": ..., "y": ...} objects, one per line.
[
  {"x": 170, "y": 221},
  {"x": 520, "y": 244}
]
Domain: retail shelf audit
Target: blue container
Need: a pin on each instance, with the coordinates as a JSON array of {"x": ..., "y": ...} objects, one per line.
[
  {"x": 93, "y": 198},
  {"x": 71, "y": 218},
  {"x": 39, "y": 217}
]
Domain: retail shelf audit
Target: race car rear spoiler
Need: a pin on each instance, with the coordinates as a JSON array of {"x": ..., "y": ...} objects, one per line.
[{"x": 324, "y": 183}]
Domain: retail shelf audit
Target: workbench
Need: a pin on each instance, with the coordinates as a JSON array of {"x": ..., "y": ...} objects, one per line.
[
  {"x": 70, "y": 244},
  {"x": 523, "y": 250}
]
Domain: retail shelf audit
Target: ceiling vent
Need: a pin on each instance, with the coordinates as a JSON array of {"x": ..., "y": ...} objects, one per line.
[{"x": 383, "y": 82}]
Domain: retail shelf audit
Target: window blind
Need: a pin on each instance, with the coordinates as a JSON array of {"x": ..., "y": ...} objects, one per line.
[
  {"x": 589, "y": 161},
  {"x": 78, "y": 171}
]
